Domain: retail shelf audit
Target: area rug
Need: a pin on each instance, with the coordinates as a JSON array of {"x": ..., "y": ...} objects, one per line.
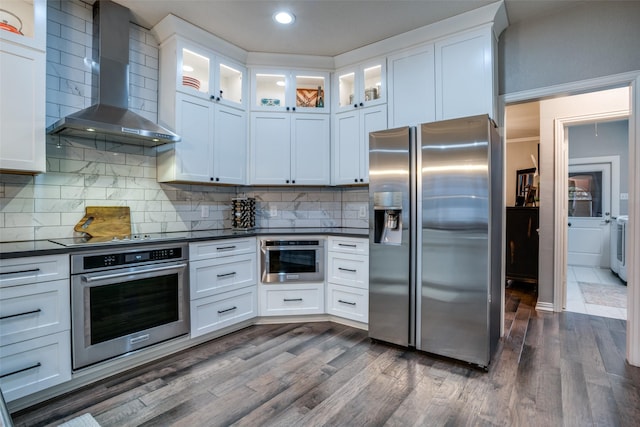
[
  {"x": 602, "y": 294},
  {"x": 85, "y": 420}
]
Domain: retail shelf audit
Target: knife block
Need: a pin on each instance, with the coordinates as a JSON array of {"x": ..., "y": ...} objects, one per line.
[{"x": 243, "y": 213}]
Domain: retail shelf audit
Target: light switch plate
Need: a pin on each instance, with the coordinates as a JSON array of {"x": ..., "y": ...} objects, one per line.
[
  {"x": 624, "y": 196},
  {"x": 273, "y": 211},
  {"x": 204, "y": 211},
  {"x": 362, "y": 213}
]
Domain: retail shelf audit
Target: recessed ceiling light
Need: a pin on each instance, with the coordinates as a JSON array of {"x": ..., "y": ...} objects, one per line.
[{"x": 284, "y": 17}]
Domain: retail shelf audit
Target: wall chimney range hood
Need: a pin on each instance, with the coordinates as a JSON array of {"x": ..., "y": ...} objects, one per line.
[{"x": 110, "y": 117}]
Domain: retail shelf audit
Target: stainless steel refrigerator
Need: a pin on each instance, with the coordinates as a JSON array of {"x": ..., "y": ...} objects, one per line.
[{"x": 435, "y": 237}]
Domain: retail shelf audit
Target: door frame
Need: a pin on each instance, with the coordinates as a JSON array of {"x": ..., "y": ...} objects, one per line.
[
  {"x": 631, "y": 79},
  {"x": 561, "y": 218}
]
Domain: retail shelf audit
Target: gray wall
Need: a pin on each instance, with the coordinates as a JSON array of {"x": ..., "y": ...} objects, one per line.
[
  {"x": 612, "y": 140},
  {"x": 592, "y": 39}
]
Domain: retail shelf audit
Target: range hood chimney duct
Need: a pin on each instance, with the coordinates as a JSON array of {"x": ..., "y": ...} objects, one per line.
[{"x": 110, "y": 116}]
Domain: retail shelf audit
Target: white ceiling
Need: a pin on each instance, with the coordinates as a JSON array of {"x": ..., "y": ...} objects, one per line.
[{"x": 322, "y": 27}]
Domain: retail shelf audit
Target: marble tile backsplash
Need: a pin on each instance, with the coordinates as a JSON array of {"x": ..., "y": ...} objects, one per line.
[{"x": 84, "y": 173}]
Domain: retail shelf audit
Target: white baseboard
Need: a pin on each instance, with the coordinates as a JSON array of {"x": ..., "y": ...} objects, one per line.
[{"x": 544, "y": 306}]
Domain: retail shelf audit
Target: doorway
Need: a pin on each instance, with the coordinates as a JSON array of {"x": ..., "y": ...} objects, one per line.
[{"x": 553, "y": 203}]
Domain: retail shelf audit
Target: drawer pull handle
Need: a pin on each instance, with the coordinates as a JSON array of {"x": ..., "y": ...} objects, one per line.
[
  {"x": 291, "y": 299},
  {"x": 20, "y": 314},
  {"x": 347, "y": 269},
  {"x": 33, "y": 270},
  {"x": 233, "y": 273},
  {"x": 227, "y": 310},
  {"x": 347, "y": 245},
  {"x": 224, "y": 248},
  {"x": 346, "y": 302},
  {"x": 37, "y": 365}
]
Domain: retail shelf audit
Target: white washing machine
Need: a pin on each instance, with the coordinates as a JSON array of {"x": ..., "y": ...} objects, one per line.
[
  {"x": 613, "y": 246},
  {"x": 621, "y": 246}
]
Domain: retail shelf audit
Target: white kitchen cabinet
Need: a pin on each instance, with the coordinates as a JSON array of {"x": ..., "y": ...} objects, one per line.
[
  {"x": 22, "y": 81},
  {"x": 202, "y": 98},
  {"x": 291, "y": 299},
  {"x": 290, "y": 149},
  {"x": 361, "y": 85},
  {"x": 277, "y": 90},
  {"x": 213, "y": 145},
  {"x": 348, "y": 278},
  {"x": 350, "y": 143},
  {"x": 464, "y": 75},
  {"x": 223, "y": 283},
  {"x": 411, "y": 77},
  {"x": 35, "y": 349}
]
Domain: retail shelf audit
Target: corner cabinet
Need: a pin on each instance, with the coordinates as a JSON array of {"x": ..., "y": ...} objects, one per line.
[
  {"x": 22, "y": 84},
  {"x": 348, "y": 278},
  {"x": 202, "y": 98},
  {"x": 290, "y": 128},
  {"x": 223, "y": 284}
]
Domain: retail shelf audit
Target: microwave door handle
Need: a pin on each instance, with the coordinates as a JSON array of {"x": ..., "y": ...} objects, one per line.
[{"x": 90, "y": 279}]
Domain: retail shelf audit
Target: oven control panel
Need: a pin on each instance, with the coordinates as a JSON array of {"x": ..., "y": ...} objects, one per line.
[{"x": 112, "y": 259}]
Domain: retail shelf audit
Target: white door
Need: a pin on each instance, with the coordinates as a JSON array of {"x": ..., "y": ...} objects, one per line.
[
  {"x": 194, "y": 123},
  {"x": 589, "y": 209},
  {"x": 230, "y": 146},
  {"x": 270, "y": 148},
  {"x": 310, "y": 149}
]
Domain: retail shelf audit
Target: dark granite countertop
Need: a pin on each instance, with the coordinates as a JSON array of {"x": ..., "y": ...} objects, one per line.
[{"x": 46, "y": 247}]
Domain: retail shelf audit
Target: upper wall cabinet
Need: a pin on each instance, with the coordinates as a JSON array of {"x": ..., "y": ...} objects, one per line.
[
  {"x": 289, "y": 90},
  {"x": 464, "y": 75},
  {"x": 202, "y": 98},
  {"x": 412, "y": 87},
  {"x": 201, "y": 72},
  {"x": 359, "y": 86},
  {"x": 22, "y": 84}
]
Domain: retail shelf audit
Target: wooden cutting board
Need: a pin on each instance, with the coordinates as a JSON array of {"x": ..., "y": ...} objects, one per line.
[{"x": 105, "y": 221}]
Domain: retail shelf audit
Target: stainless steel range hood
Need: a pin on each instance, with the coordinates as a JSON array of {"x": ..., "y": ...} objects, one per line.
[{"x": 110, "y": 117}]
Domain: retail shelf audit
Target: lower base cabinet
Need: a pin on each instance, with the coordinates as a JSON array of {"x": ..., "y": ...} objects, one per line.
[
  {"x": 348, "y": 302},
  {"x": 298, "y": 299},
  {"x": 36, "y": 364},
  {"x": 219, "y": 311}
]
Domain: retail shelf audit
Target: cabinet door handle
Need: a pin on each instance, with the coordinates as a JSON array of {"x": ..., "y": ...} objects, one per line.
[
  {"x": 361, "y": 180},
  {"x": 226, "y": 310},
  {"x": 291, "y": 299},
  {"x": 355, "y": 105},
  {"x": 347, "y": 269},
  {"x": 349, "y": 245},
  {"x": 346, "y": 302},
  {"x": 224, "y": 248},
  {"x": 355, "y": 180},
  {"x": 233, "y": 273},
  {"x": 37, "y": 365},
  {"x": 361, "y": 104},
  {"x": 33, "y": 270},
  {"x": 293, "y": 108},
  {"x": 9, "y": 316}
]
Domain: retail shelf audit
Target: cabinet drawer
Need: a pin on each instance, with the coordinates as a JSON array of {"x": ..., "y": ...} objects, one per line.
[
  {"x": 278, "y": 300},
  {"x": 222, "y": 248},
  {"x": 20, "y": 271},
  {"x": 349, "y": 245},
  {"x": 216, "y": 312},
  {"x": 348, "y": 302},
  {"x": 33, "y": 365},
  {"x": 30, "y": 311},
  {"x": 210, "y": 277},
  {"x": 350, "y": 270}
]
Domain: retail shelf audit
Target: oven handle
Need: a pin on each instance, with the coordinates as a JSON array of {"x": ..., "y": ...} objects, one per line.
[{"x": 129, "y": 273}]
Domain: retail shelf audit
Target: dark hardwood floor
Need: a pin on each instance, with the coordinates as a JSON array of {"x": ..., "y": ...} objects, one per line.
[{"x": 550, "y": 370}]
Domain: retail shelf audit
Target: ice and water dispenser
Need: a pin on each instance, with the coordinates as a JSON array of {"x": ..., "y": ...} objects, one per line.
[{"x": 387, "y": 217}]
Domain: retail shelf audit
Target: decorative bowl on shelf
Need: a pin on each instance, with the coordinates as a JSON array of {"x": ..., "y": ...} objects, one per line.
[
  {"x": 191, "y": 82},
  {"x": 270, "y": 102}
]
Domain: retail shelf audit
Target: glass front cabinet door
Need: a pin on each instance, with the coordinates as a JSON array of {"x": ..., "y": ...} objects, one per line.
[
  {"x": 203, "y": 73},
  {"x": 361, "y": 85},
  {"x": 290, "y": 90}
]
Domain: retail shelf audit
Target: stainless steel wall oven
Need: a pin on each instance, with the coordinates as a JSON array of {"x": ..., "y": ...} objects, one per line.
[
  {"x": 292, "y": 260},
  {"x": 125, "y": 299}
]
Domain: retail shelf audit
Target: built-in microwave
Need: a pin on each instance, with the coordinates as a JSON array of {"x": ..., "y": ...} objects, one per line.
[{"x": 291, "y": 260}]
